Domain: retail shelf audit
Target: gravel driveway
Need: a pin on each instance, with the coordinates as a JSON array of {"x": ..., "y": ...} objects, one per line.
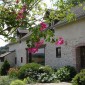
[{"x": 63, "y": 83}]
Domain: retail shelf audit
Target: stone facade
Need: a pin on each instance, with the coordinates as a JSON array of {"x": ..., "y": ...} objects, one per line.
[
  {"x": 10, "y": 58},
  {"x": 20, "y": 49},
  {"x": 74, "y": 36}
]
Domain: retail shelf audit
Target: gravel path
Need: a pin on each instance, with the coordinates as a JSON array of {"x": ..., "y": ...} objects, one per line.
[{"x": 63, "y": 83}]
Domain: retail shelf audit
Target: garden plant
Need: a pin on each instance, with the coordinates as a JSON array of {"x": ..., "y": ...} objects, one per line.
[{"x": 79, "y": 79}]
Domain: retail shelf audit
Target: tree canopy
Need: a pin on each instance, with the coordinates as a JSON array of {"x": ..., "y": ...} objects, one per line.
[{"x": 27, "y": 14}]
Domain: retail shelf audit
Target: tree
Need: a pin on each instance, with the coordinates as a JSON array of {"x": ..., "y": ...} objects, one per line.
[
  {"x": 4, "y": 68},
  {"x": 23, "y": 14},
  {"x": 17, "y": 13}
]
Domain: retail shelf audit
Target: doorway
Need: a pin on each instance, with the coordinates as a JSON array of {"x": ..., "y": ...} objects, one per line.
[{"x": 80, "y": 57}]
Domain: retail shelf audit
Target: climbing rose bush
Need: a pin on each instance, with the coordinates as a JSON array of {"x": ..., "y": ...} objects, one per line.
[
  {"x": 33, "y": 50},
  {"x": 43, "y": 26},
  {"x": 17, "y": 1},
  {"x": 21, "y": 12},
  {"x": 37, "y": 45},
  {"x": 60, "y": 41},
  {"x": 40, "y": 43}
]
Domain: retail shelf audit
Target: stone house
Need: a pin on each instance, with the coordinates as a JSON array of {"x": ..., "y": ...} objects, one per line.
[
  {"x": 72, "y": 52},
  {"x": 9, "y": 56}
]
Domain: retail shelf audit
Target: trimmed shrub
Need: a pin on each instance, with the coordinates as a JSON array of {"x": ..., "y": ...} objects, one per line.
[
  {"x": 28, "y": 80},
  {"x": 83, "y": 70},
  {"x": 55, "y": 70},
  {"x": 72, "y": 71},
  {"x": 66, "y": 73},
  {"x": 17, "y": 82},
  {"x": 79, "y": 79},
  {"x": 4, "y": 68},
  {"x": 47, "y": 78},
  {"x": 46, "y": 69},
  {"x": 13, "y": 72},
  {"x": 46, "y": 75},
  {"x": 30, "y": 70},
  {"x": 5, "y": 80}
]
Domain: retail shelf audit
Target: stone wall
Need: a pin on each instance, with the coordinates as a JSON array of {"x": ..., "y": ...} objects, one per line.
[
  {"x": 20, "y": 49},
  {"x": 11, "y": 58},
  {"x": 74, "y": 36}
]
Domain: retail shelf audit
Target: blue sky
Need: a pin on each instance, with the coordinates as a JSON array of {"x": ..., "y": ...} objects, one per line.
[{"x": 2, "y": 42}]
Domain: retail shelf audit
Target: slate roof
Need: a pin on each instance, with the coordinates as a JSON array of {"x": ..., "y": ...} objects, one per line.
[
  {"x": 3, "y": 55},
  {"x": 77, "y": 10}
]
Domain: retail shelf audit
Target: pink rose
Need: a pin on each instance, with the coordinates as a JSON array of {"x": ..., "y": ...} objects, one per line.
[
  {"x": 32, "y": 50},
  {"x": 20, "y": 16},
  {"x": 37, "y": 45},
  {"x": 43, "y": 26},
  {"x": 60, "y": 41},
  {"x": 20, "y": 13},
  {"x": 24, "y": 7},
  {"x": 17, "y": 1},
  {"x": 40, "y": 43}
]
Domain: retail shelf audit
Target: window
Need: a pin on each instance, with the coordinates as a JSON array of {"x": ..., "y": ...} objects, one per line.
[
  {"x": 2, "y": 59},
  {"x": 39, "y": 57},
  {"x": 15, "y": 60},
  {"x": 58, "y": 52},
  {"x": 21, "y": 59}
]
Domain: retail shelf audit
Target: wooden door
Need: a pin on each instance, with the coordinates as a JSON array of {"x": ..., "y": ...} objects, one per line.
[{"x": 82, "y": 56}]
